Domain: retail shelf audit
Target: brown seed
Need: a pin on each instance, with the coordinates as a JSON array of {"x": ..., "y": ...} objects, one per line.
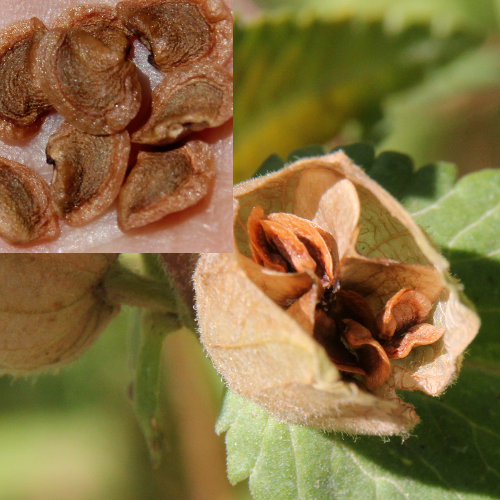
[
  {"x": 326, "y": 334},
  {"x": 161, "y": 183},
  {"x": 404, "y": 309},
  {"x": 313, "y": 237},
  {"x": 372, "y": 357},
  {"x": 288, "y": 246},
  {"x": 422, "y": 334},
  {"x": 22, "y": 104},
  {"x": 261, "y": 251},
  {"x": 88, "y": 172},
  {"x": 101, "y": 22},
  {"x": 91, "y": 84},
  {"x": 26, "y": 215},
  {"x": 180, "y": 33},
  {"x": 188, "y": 101}
]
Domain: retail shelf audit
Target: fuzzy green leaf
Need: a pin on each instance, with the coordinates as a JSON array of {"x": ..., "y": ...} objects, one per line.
[
  {"x": 290, "y": 91},
  {"x": 454, "y": 454},
  {"x": 455, "y": 450}
]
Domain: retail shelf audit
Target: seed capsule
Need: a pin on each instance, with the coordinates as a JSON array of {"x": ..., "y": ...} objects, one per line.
[{"x": 52, "y": 307}]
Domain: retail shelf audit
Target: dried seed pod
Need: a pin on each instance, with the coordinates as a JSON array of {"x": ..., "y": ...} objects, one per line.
[
  {"x": 188, "y": 101},
  {"x": 22, "y": 104},
  {"x": 162, "y": 183},
  {"x": 26, "y": 215},
  {"x": 100, "y": 21},
  {"x": 52, "y": 307},
  {"x": 270, "y": 356},
  {"x": 91, "y": 84},
  {"x": 88, "y": 172},
  {"x": 180, "y": 33}
]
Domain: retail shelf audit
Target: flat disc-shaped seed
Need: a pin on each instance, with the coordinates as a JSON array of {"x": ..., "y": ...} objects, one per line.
[
  {"x": 188, "y": 101},
  {"x": 180, "y": 33},
  {"x": 261, "y": 251},
  {"x": 100, "y": 21},
  {"x": 163, "y": 183},
  {"x": 26, "y": 214},
  {"x": 404, "y": 309},
  {"x": 92, "y": 85},
  {"x": 88, "y": 172},
  {"x": 22, "y": 104}
]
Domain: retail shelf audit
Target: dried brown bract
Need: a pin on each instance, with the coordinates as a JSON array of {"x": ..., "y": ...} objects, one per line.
[
  {"x": 162, "y": 183},
  {"x": 188, "y": 101},
  {"x": 180, "y": 33},
  {"x": 333, "y": 300},
  {"x": 88, "y": 172},
  {"x": 22, "y": 104},
  {"x": 26, "y": 214},
  {"x": 52, "y": 307},
  {"x": 88, "y": 80}
]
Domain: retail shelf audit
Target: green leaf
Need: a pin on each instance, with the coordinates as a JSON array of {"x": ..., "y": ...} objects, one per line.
[
  {"x": 290, "y": 91},
  {"x": 455, "y": 452}
]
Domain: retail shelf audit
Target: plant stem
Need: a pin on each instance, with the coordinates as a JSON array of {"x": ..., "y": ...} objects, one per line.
[
  {"x": 155, "y": 326},
  {"x": 127, "y": 287}
]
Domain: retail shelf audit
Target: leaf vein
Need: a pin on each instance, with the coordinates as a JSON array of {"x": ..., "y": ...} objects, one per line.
[{"x": 467, "y": 228}]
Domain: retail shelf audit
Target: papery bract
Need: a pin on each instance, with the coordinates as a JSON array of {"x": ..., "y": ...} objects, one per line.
[{"x": 272, "y": 358}]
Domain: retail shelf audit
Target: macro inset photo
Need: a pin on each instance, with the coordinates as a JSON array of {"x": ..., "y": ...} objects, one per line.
[{"x": 116, "y": 126}]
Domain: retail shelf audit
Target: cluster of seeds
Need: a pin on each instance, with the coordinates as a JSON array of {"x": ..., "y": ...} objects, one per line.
[{"x": 106, "y": 149}]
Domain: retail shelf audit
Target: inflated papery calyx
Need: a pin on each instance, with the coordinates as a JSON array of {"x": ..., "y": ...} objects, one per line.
[
  {"x": 22, "y": 104},
  {"x": 52, "y": 307},
  {"x": 181, "y": 33},
  {"x": 26, "y": 215},
  {"x": 333, "y": 299},
  {"x": 88, "y": 79},
  {"x": 164, "y": 182},
  {"x": 88, "y": 172},
  {"x": 188, "y": 101}
]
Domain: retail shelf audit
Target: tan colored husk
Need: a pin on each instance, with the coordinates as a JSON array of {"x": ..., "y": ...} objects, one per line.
[
  {"x": 265, "y": 355},
  {"x": 52, "y": 308}
]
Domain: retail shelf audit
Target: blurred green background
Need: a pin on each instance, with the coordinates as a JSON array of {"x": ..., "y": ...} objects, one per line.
[{"x": 419, "y": 77}]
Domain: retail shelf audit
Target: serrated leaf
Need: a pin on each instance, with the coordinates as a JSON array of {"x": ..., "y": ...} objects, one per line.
[
  {"x": 298, "y": 83},
  {"x": 455, "y": 452}
]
